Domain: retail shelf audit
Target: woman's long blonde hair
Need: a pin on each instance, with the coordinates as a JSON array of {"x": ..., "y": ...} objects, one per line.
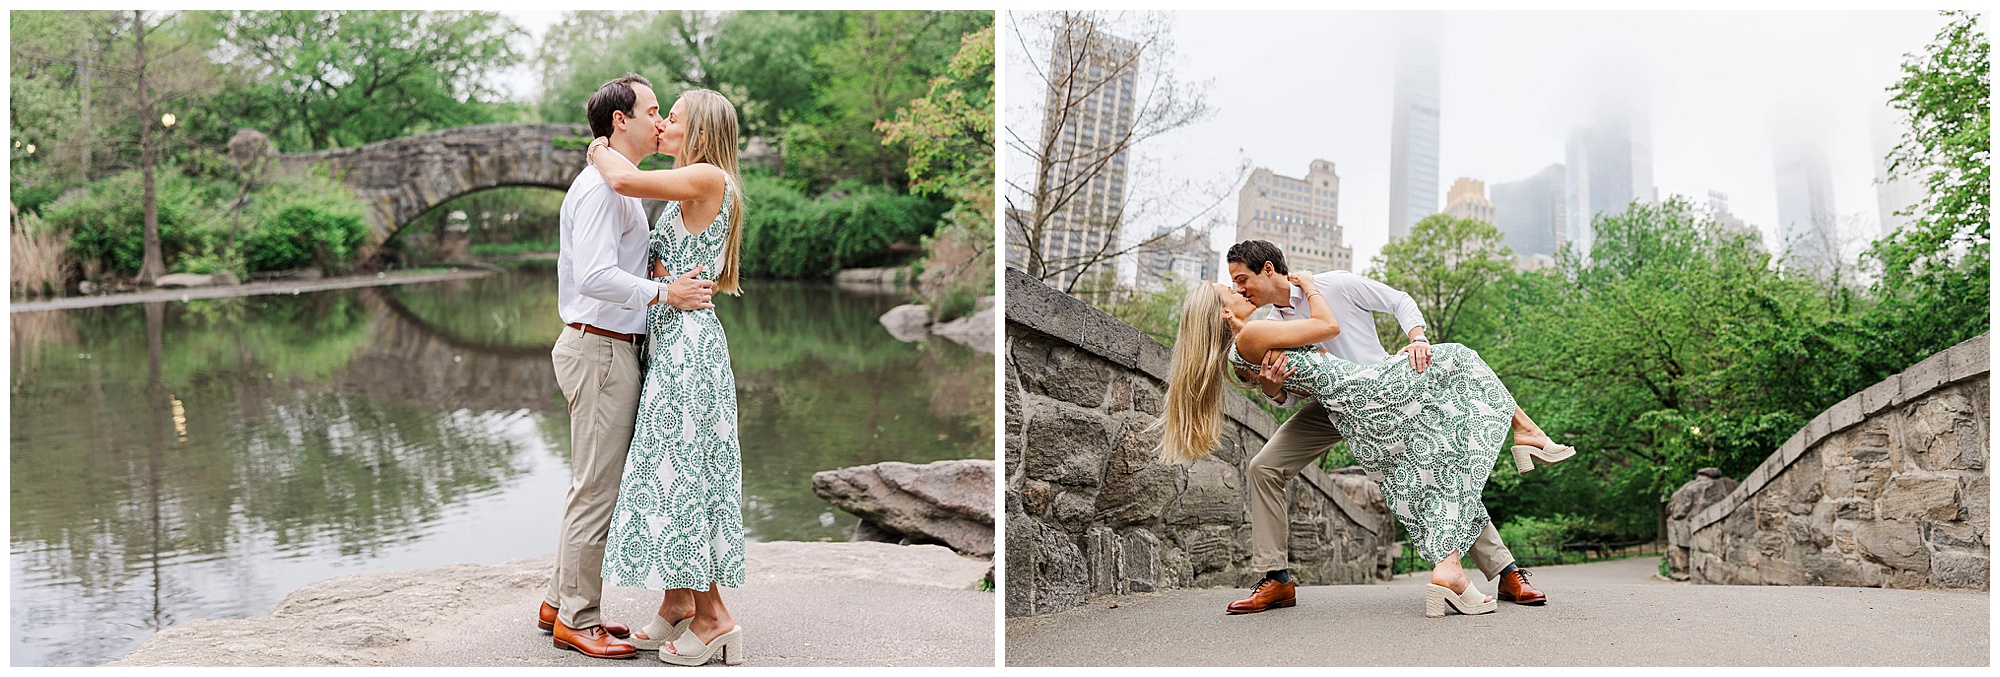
[
  {"x": 1193, "y": 419},
  {"x": 711, "y": 138}
]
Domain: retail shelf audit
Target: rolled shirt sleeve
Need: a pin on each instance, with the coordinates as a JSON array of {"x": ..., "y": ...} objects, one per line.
[
  {"x": 596, "y": 247},
  {"x": 1381, "y": 298}
]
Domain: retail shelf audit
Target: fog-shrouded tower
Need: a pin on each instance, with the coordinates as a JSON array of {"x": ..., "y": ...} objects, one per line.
[
  {"x": 1413, "y": 129},
  {"x": 1529, "y": 212},
  {"x": 1608, "y": 165},
  {"x": 1808, "y": 231},
  {"x": 1300, "y": 215}
]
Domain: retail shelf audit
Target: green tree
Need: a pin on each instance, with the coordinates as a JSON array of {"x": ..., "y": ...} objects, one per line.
[
  {"x": 882, "y": 61},
  {"x": 1936, "y": 273},
  {"x": 1674, "y": 347},
  {"x": 949, "y": 134},
  {"x": 336, "y": 78},
  {"x": 1443, "y": 263}
]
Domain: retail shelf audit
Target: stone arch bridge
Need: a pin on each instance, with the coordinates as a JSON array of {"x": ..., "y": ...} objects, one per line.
[{"x": 400, "y": 179}]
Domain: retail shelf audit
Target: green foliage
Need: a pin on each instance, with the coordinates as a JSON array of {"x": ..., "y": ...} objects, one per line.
[
  {"x": 813, "y": 83},
  {"x": 949, "y": 134},
  {"x": 105, "y": 218},
  {"x": 304, "y": 220},
  {"x": 1936, "y": 273},
  {"x": 793, "y": 236},
  {"x": 338, "y": 78},
  {"x": 1444, "y": 263},
  {"x": 1539, "y": 532},
  {"x": 954, "y": 303}
]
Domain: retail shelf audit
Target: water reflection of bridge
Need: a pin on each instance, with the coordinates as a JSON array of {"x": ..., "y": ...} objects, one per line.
[{"x": 410, "y": 359}]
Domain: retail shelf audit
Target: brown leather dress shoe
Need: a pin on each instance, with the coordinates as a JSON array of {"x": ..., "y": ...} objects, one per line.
[
  {"x": 1269, "y": 595},
  {"x": 546, "y": 620},
  {"x": 1514, "y": 587},
  {"x": 593, "y": 642}
]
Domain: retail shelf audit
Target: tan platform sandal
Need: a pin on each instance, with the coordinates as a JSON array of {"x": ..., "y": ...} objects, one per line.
[
  {"x": 1440, "y": 600},
  {"x": 688, "y": 649},
  {"x": 1526, "y": 455},
  {"x": 659, "y": 632}
]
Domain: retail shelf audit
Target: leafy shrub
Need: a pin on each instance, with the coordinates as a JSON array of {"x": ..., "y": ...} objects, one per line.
[
  {"x": 787, "y": 234},
  {"x": 106, "y": 220},
  {"x": 30, "y": 198},
  {"x": 302, "y": 220},
  {"x": 1546, "y": 533}
]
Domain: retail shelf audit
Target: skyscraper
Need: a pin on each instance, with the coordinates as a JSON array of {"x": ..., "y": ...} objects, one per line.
[
  {"x": 1808, "y": 233},
  {"x": 1301, "y": 216},
  {"x": 1086, "y": 119},
  {"x": 1529, "y": 212},
  {"x": 1178, "y": 258},
  {"x": 1467, "y": 200},
  {"x": 1900, "y": 194},
  {"x": 1729, "y": 224},
  {"x": 1608, "y": 165},
  {"x": 1413, "y": 129}
]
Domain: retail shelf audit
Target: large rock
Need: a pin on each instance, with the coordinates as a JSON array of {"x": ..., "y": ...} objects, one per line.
[
  {"x": 975, "y": 330},
  {"x": 907, "y": 322},
  {"x": 946, "y": 502},
  {"x": 183, "y": 281}
]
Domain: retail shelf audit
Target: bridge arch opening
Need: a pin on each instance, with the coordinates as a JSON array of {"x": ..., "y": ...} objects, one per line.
[{"x": 506, "y": 221}]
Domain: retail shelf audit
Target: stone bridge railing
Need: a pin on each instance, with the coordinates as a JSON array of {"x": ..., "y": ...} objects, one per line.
[
  {"x": 1888, "y": 488},
  {"x": 1090, "y": 509}
]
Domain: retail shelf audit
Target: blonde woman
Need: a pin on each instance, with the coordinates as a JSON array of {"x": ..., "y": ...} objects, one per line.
[
  {"x": 1430, "y": 437},
  {"x": 678, "y": 522}
]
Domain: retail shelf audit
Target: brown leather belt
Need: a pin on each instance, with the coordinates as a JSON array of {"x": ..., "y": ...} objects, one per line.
[{"x": 593, "y": 329}]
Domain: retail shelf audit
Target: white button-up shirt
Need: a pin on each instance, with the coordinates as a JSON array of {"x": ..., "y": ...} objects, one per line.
[
  {"x": 601, "y": 264},
  {"x": 1354, "y": 301}
]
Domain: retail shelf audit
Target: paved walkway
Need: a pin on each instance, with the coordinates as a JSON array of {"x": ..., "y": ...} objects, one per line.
[
  {"x": 1607, "y": 613},
  {"x": 806, "y": 604},
  {"x": 291, "y": 287}
]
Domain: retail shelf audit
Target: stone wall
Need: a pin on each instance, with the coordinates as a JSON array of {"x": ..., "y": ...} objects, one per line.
[
  {"x": 1888, "y": 488},
  {"x": 1090, "y": 509}
]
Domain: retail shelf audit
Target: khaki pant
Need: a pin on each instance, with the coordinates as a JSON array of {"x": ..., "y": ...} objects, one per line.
[
  {"x": 600, "y": 378},
  {"x": 1303, "y": 438}
]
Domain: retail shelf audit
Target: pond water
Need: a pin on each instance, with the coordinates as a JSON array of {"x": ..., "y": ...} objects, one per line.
[{"x": 201, "y": 460}]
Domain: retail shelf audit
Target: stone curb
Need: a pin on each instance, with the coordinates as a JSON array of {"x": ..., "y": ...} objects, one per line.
[{"x": 1960, "y": 362}]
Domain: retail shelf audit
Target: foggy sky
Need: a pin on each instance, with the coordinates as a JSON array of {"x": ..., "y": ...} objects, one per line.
[{"x": 1292, "y": 87}]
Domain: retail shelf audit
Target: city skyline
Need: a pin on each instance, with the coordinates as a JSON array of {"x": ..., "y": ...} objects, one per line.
[{"x": 1320, "y": 85}]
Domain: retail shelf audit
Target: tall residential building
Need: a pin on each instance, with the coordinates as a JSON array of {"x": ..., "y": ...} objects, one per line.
[
  {"x": 1178, "y": 258},
  {"x": 1467, "y": 200},
  {"x": 1729, "y": 224},
  {"x": 1301, "y": 216},
  {"x": 1413, "y": 128},
  {"x": 1900, "y": 194},
  {"x": 1530, "y": 212},
  {"x": 1608, "y": 165},
  {"x": 1085, "y": 121},
  {"x": 1808, "y": 230}
]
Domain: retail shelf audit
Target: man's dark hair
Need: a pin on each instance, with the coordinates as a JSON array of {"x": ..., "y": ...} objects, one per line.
[
  {"x": 1253, "y": 254},
  {"x": 615, "y": 96}
]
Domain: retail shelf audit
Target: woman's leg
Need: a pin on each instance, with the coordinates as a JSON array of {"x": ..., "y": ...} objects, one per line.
[
  {"x": 1449, "y": 573},
  {"x": 675, "y": 604},
  {"x": 1526, "y": 432},
  {"x": 711, "y": 616}
]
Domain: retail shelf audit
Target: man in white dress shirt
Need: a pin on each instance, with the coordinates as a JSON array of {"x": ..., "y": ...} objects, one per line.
[
  {"x": 1257, "y": 270},
  {"x": 602, "y": 292}
]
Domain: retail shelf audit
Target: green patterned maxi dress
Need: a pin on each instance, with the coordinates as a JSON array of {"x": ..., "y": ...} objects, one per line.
[
  {"x": 1429, "y": 438},
  {"x": 679, "y": 518}
]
